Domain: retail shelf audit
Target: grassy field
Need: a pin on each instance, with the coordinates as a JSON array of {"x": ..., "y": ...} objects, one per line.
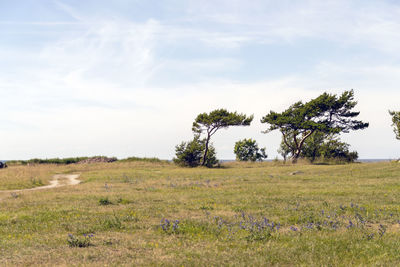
[{"x": 143, "y": 213}]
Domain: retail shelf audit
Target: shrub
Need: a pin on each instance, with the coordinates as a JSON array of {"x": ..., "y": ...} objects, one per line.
[
  {"x": 130, "y": 159},
  {"x": 333, "y": 148},
  {"x": 79, "y": 242},
  {"x": 104, "y": 201},
  {"x": 189, "y": 154},
  {"x": 247, "y": 150}
]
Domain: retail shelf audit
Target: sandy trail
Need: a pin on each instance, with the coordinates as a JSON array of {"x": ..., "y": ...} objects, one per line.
[{"x": 58, "y": 181}]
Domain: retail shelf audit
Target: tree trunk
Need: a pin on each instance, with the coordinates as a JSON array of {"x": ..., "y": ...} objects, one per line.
[
  {"x": 296, "y": 156},
  {"x": 297, "y": 152},
  {"x": 206, "y": 151}
]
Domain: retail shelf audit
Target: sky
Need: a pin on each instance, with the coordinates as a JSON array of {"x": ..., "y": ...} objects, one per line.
[{"x": 128, "y": 77}]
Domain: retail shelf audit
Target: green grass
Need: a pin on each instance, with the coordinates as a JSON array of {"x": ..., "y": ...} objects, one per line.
[{"x": 220, "y": 214}]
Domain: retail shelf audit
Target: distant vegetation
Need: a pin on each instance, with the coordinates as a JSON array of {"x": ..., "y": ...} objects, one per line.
[
  {"x": 396, "y": 122},
  {"x": 66, "y": 161},
  {"x": 248, "y": 150},
  {"x": 63, "y": 161},
  {"x": 141, "y": 159},
  {"x": 309, "y": 130}
]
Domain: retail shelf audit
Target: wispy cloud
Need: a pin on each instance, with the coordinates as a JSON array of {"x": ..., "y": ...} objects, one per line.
[{"x": 370, "y": 23}]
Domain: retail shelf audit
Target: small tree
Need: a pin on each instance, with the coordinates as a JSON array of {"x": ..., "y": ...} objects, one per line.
[
  {"x": 247, "y": 150},
  {"x": 210, "y": 123},
  {"x": 396, "y": 122},
  {"x": 189, "y": 154},
  {"x": 327, "y": 113}
]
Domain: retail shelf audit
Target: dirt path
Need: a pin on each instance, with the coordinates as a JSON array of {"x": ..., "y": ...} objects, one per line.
[{"x": 58, "y": 181}]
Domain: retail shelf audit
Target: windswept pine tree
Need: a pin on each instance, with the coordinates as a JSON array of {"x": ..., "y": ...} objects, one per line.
[{"x": 328, "y": 114}]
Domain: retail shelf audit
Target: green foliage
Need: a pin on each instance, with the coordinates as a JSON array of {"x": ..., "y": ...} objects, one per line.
[
  {"x": 211, "y": 157},
  {"x": 322, "y": 146},
  {"x": 217, "y": 119},
  {"x": 170, "y": 227},
  {"x": 131, "y": 159},
  {"x": 312, "y": 146},
  {"x": 104, "y": 201},
  {"x": 328, "y": 114},
  {"x": 58, "y": 161},
  {"x": 112, "y": 222},
  {"x": 396, "y": 122},
  {"x": 247, "y": 150},
  {"x": 333, "y": 148},
  {"x": 124, "y": 201},
  {"x": 190, "y": 154},
  {"x": 284, "y": 150},
  {"x": 79, "y": 242}
]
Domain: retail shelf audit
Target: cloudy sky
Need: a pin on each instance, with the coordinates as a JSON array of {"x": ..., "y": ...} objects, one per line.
[{"x": 128, "y": 77}]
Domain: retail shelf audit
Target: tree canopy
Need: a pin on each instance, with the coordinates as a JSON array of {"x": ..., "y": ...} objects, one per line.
[
  {"x": 396, "y": 122},
  {"x": 328, "y": 114},
  {"x": 210, "y": 123}
]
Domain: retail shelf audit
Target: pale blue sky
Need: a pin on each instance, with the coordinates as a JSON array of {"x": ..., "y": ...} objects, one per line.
[{"x": 128, "y": 77}]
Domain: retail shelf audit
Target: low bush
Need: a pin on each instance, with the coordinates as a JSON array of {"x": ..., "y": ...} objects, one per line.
[
  {"x": 189, "y": 154},
  {"x": 79, "y": 242},
  {"x": 141, "y": 159},
  {"x": 104, "y": 201}
]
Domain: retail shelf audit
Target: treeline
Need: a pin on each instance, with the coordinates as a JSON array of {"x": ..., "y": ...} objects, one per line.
[{"x": 74, "y": 160}]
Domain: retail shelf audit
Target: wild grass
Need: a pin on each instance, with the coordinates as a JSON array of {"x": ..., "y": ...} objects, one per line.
[
  {"x": 20, "y": 177},
  {"x": 241, "y": 214}
]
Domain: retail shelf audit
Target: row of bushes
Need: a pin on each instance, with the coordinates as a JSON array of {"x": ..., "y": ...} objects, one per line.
[{"x": 47, "y": 161}]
